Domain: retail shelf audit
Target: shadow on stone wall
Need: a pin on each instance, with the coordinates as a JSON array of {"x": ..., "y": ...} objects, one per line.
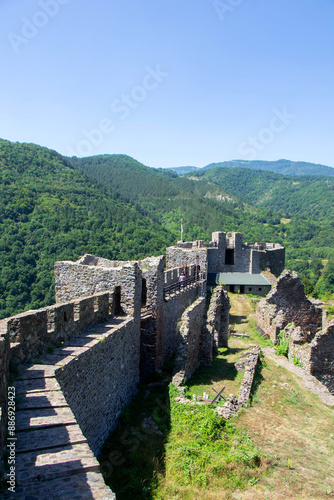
[{"x": 134, "y": 454}]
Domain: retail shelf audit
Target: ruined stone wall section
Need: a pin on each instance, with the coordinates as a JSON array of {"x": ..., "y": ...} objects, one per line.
[
  {"x": 322, "y": 352},
  {"x": 249, "y": 362},
  {"x": 218, "y": 317},
  {"x": 272, "y": 259},
  {"x": 32, "y": 333},
  {"x": 101, "y": 382},
  {"x": 4, "y": 383},
  {"x": 173, "y": 308},
  {"x": 189, "y": 342},
  {"x": 301, "y": 352},
  {"x": 287, "y": 303},
  {"x": 73, "y": 281},
  {"x": 152, "y": 270},
  {"x": 315, "y": 357}
]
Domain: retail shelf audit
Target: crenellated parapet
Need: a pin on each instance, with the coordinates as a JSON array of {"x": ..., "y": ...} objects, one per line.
[
  {"x": 227, "y": 253},
  {"x": 34, "y": 332}
]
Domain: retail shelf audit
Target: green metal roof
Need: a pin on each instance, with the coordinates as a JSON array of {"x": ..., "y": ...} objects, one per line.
[{"x": 237, "y": 279}]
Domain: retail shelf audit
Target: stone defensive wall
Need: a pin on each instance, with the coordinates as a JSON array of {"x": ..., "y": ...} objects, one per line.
[
  {"x": 74, "y": 280},
  {"x": 101, "y": 373},
  {"x": 190, "y": 342},
  {"x": 174, "y": 305},
  {"x": 227, "y": 253},
  {"x": 173, "y": 275},
  {"x": 139, "y": 286},
  {"x": 101, "y": 381},
  {"x": 33, "y": 332},
  {"x": 186, "y": 255},
  {"x": 95, "y": 397}
]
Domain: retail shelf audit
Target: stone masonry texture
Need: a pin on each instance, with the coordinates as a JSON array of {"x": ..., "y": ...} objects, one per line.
[
  {"x": 287, "y": 303},
  {"x": 189, "y": 341},
  {"x": 101, "y": 381},
  {"x": 227, "y": 253},
  {"x": 218, "y": 317}
]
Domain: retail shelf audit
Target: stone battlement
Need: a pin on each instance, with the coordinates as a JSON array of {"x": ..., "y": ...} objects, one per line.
[
  {"x": 33, "y": 332},
  {"x": 227, "y": 253}
]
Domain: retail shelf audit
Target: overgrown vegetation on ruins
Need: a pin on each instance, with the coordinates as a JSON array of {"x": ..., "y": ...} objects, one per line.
[
  {"x": 278, "y": 447},
  {"x": 162, "y": 449},
  {"x": 50, "y": 210}
]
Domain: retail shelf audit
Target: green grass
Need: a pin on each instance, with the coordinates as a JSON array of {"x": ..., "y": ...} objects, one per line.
[
  {"x": 282, "y": 349},
  {"x": 193, "y": 448},
  {"x": 222, "y": 373},
  {"x": 204, "y": 449}
]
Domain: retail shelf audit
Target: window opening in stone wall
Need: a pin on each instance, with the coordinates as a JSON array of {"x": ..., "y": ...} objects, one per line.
[
  {"x": 117, "y": 301},
  {"x": 229, "y": 257},
  {"x": 76, "y": 312},
  {"x": 51, "y": 320},
  {"x": 65, "y": 317},
  {"x": 242, "y": 288},
  {"x": 143, "y": 292}
]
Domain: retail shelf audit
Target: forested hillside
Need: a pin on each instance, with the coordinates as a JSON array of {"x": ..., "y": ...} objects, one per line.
[
  {"x": 294, "y": 211},
  {"x": 311, "y": 196},
  {"x": 203, "y": 206},
  {"x": 55, "y": 208},
  {"x": 51, "y": 211}
]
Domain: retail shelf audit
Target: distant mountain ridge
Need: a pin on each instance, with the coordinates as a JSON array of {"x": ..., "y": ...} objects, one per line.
[
  {"x": 285, "y": 167},
  {"x": 183, "y": 170}
]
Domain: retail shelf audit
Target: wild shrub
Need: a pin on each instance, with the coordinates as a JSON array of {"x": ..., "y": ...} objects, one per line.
[{"x": 282, "y": 349}]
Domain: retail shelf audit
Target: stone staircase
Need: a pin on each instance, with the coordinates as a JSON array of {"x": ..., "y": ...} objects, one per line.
[{"x": 53, "y": 458}]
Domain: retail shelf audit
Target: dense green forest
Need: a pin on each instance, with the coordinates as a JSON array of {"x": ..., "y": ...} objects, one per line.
[
  {"x": 294, "y": 211},
  {"x": 50, "y": 211},
  {"x": 306, "y": 196},
  {"x": 56, "y": 208}
]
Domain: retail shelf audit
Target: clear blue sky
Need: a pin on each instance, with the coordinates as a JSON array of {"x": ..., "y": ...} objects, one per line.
[{"x": 170, "y": 83}]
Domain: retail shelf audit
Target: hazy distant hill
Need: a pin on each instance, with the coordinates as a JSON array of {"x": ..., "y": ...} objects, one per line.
[
  {"x": 183, "y": 170},
  {"x": 285, "y": 167}
]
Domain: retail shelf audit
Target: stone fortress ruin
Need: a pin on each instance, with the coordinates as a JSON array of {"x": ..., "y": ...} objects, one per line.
[
  {"x": 77, "y": 363},
  {"x": 229, "y": 261},
  {"x": 286, "y": 313}
]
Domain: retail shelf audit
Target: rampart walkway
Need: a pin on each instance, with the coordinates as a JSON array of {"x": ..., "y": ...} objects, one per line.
[{"x": 53, "y": 458}]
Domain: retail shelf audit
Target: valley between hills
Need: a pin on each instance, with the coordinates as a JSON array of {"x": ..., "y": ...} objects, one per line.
[{"x": 58, "y": 208}]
